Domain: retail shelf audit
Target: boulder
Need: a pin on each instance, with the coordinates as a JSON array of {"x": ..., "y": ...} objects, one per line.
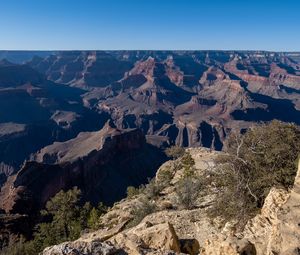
[
  {"x": 94, "y": 247},
  {"x": 158, "y": 237},
  {"x": 228, "y": 246}
]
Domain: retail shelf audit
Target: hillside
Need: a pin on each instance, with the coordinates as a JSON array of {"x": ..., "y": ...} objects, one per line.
[{"x": 171, "y": 229}]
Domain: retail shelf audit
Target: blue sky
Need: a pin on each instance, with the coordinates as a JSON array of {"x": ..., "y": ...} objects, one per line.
[{"x": 150, "y": 24}]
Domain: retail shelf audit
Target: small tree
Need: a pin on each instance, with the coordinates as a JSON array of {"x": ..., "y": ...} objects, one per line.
[
  {"x": 188, "y": 164},
  {"x": 188, "y": 192},
  {"x": 188, "y": 188},
  {"x": 93, "y": 219},
  {"x": 63, "y": 213},
  {"x": 263, "y": 157}
]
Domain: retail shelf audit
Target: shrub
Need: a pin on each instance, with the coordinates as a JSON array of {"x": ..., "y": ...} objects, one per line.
[
  {"x": 132, "y": 191},
  {"x": 93, "y": 219},
  {"x": 188, "y": 191},
  {"x": 153, "y": 188},
  {"x": 174, "y": 152},
  {"x": 165, "y": 176},
  {"x": 263, "y": 157},
  {"x": 141, "y": 210},
  {"x": 65, "y": 220},
  {"x": 188, "y": 164}
]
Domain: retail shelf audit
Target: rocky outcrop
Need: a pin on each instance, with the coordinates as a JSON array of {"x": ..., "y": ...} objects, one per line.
[
  {"x": 161, "y": 237},
  {"x": 274, "y": 231},
  {"x": 84, "y": 248},
  {"x": 102, "y": 164},
  {"x": 285, "y": 233},
  {"x": 167, "y": 231},
  {"x": 172, "y": 230}
]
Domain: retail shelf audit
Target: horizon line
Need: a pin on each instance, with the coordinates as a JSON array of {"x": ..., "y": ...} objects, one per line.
[{"x": 224, "y": 50}]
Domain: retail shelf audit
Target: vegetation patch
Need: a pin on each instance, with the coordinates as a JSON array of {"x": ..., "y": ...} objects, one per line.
[{"x": 262, "y": 158}]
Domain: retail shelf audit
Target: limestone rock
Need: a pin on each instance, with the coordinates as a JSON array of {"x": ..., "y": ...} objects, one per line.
[
  {"x": 228, "y": 246},
  {"x": 83, "y": 248},
  {"x": 159, "y": 237},
  {"x": 172, "y": 231},
  {"x": 285, "y": 235},
  {"x": 274, "y": 231},
  {"x": 259, "y": 229}
]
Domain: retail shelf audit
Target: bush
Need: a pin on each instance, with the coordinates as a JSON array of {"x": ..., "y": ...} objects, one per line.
[
  {"x": 164, "y": 177},
  {"x": 132, "y": 191},
  {"x": 93, "y": 219},
  {"x": 188, "y": 191},
  {"x": 141, "y": 210},
  {"x": 188, "y": 164},
  {"x": 65, "y": 219},
  {"x": 153, "y": 188},
  {"x": 263, "y": 157},
  {"x": 175, "y": 152}
]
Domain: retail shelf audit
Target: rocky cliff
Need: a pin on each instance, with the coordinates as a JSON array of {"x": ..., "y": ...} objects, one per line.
[
  {"x": 172, "y": 230},
  {"x": 193, "y": 98},
  {"x": 101, "y": 164},
  {"x": 274, "y": 231},
  {"x": 188, "y": 98}
]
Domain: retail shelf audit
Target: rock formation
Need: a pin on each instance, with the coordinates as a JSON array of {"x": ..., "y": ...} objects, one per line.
[
  {"x": 168, "y": 231},
  {"x": 101, "y": 164},
  {"x": 188, "y": 98},
  {"x": 274, "y": 231},
  {"x": 172, "y": 230},
  {"x": 94, "y": 161}
]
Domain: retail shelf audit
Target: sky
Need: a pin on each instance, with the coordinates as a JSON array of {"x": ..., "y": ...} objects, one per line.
[{"x": 150, "y": 24}]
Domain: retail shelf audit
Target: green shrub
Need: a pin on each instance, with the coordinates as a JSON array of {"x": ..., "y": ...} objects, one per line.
[
  {"x": 263, "y": 157},
  {"x": 153, "y": 189},
  {"x": 132, "y": 191},
  {"x": 174, "y": 152},
  {"x": 93, "y": 218},
  {"x": 164, "y": 177},
  {"x": 188, "y": 191},
  {"x": 65, "y": 220},
  {"x": 188, "y": 164},
  {"x": 141, "y": 210}
]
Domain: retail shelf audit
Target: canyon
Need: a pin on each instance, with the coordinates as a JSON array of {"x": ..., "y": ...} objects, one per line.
[
  {"x": 187, "y": 98},
  {"x": 100, "y": 120}
]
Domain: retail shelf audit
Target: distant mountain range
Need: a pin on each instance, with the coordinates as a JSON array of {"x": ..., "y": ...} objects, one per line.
[
  {"x": 148, "y": 99},
  {"x": 189, "y": 98},
  {"x": 22, "y": 56}
]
